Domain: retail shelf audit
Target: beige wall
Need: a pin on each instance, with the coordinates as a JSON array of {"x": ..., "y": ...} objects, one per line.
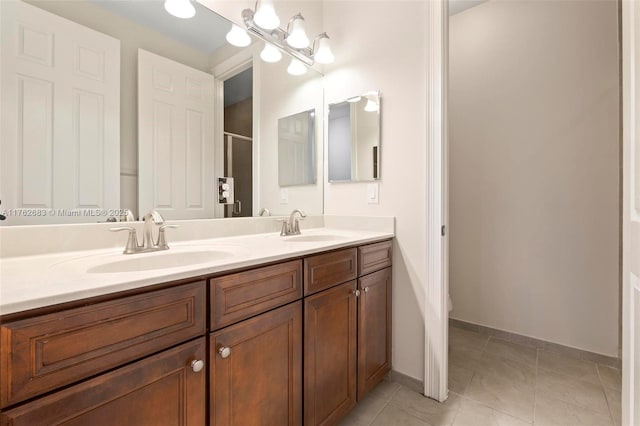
[
  {"x": 534, "y": 146},
  {"x": 132, "y": 36},
  {"x": 369, "y": 58}
]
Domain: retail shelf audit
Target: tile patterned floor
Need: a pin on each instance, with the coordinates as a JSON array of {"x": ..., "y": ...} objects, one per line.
[{"x": 495, "y": 382}]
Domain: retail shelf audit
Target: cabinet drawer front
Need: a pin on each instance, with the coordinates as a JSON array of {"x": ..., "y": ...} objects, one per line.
[
  {"x": 239, "y": 296},
  {"x": 374, "y": 257},
  {"x": 42, "y": 353},
  {"x": 330, "y": 269},
  {"x": 160, "y": 390},
  {"x": 256, "y": 370}
]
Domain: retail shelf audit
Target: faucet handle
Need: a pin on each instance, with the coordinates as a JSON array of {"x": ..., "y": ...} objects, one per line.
[
  {"x": 132, "y": 242},
  {"x": 162, "y": 239},
  {"x": 285, "y": 227}
]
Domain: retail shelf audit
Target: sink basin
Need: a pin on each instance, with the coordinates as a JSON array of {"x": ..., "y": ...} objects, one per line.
[
  {"x": 315, "y": 238},
  {"x": 159, "y": 260}
]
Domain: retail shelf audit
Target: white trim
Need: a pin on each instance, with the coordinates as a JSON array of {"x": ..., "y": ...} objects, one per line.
[
  {"x": 630, "y": 65},
  {"x": 436, "y": 294}
]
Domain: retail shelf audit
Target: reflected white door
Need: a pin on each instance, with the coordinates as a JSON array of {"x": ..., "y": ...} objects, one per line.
[
  {"x": 294, "y": 159},
  {"x": 175, "y": 144},
  {"x": 631, "y": 214},
  {"x": 60, "y": 125}
]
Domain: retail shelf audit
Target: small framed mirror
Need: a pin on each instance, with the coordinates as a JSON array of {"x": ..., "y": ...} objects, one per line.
[
  {"x": 297, "y": 149},
  {"x": 354, "y": 139}
]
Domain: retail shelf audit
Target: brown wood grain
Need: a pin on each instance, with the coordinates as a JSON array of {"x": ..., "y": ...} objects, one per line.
[
  {"x": 326, "y": 270},
  {"x": 374, "y": 257}
]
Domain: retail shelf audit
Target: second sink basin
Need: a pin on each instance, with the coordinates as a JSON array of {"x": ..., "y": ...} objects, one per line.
[
  {"x": 160, "y": 260},
  {"x": 315, "y": 238}
]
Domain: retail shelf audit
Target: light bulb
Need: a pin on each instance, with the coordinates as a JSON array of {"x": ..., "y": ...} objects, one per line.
[
  {"x": 298, "y": 38},
  {"x": 323, "y": 54},
  {"x": 270, "y": 53},
  {"x": 238, "y": 37},
  {"x": 265, "y": 16},
  {"x": 296, "y": 67},
  {"x": 371, "y": 106},
  {"x": 180, "y": 8}
]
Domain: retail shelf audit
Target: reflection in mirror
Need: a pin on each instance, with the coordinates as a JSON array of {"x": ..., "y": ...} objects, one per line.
[
  {"x": 296, "y": 149},
  {"x": 354, "y": 139},
  {"x": 121, "y": 106}
]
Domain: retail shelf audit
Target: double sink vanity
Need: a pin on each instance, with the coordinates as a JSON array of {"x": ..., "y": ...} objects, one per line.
[{"x": 246, "y": 329}]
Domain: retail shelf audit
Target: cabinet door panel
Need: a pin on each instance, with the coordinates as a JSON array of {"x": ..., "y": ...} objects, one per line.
[
  {"x": 326, "y": 270},
  {"x": 330, "y": 355},
  {"x": 160, "y": 390},
  {"x": 374, "y": 257},
  {"x": 374, "y": 330},
  {"x": 259, "y": 382}
]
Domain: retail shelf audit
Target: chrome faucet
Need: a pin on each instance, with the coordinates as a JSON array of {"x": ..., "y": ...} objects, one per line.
[
  {"x": 264, "y": 212},
  {"x": 151, "y": 218},
  {"x": 292, "y": 226}
]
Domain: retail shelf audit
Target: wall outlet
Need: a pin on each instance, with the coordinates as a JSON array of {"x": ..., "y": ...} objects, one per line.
[
  {"x": 284, "y": 196},
  {"x": 372, "y": 193}
]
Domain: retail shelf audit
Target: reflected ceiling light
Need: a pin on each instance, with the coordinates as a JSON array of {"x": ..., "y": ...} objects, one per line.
[
  {"x": 270, "y": 53},
  {"x": 296, "y": 67},
  {"x": 371, "y": 106},
  {"x": 180, "y": 8},
  {"x": 297, "y": 37},
  {"x": 323, "y": 54},
  {"x": 238, "y": 37},
  {"x": 265, "y": 16}
]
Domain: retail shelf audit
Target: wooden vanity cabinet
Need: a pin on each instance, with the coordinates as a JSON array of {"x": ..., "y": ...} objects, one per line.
[
  {"x": 256, "y": 370},
  {"x": 164, "y": 389}
]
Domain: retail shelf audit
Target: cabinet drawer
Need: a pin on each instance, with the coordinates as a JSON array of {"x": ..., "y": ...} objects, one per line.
[
  {"x": 242, "y": 295},
  {"x": 163, "y": 389},
  {"x": 374, "y": 257},
  {"x": 43, "y": 353},
  {"x": 326, "y": 270}
]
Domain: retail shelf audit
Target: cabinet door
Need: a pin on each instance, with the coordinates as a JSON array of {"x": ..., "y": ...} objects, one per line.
[
  {"x": 164, "y": 389},
  {"x": 374, "y": 329},
  {"x": 330, "y": 355},
  {"x": 256, "y": 370}
]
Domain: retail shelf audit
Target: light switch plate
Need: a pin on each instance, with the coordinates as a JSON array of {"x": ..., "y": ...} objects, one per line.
[
  {"x": 284, "y": 196},
  {"x": 372, "y": 193}
]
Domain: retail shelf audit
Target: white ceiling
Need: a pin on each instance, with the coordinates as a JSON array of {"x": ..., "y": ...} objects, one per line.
[
  {"x": 206, "y": 31},
  {"x": 457, "y": 6}
]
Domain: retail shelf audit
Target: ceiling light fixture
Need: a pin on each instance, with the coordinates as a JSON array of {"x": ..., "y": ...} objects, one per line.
[
  {"x": 296, "y": 67},
  {"x": 238, "y": 37},
  {"x": 180, "y": 8},
  {"x": 266, "y": 16},
  {"x": 296, "y": 42},
  {"x": 270, "y": 53}
]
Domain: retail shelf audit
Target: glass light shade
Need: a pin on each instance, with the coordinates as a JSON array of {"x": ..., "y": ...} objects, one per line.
[
  {"x": 270, "y": 53},
  {"x": 371, "y": 106},
  {"x": 265, "y": 16},
  {"x": 323, "y": 53},
  {"x": 180, "y": 8},
  {"x": 298, "y": 37},
  {"x": 296, "y": 67},
  {"x": 238, "y": 37}
]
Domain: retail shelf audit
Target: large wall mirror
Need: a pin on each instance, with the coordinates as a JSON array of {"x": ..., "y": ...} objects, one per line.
[
  {"x": 354, "y": 139},
  {"x": 115, "y": 105}
]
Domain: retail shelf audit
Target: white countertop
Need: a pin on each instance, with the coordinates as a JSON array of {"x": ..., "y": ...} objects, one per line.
[{"x": 29, "y": 282}]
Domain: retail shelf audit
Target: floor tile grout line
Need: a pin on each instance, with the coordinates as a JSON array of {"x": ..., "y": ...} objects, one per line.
[
  {"x": 484, "y": 404},
  {"x": 535, "y": 387}
]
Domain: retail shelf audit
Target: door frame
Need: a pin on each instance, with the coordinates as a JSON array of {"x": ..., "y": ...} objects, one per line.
[
  {"x": 239, "y": 62},
  {"x": 436, "y": 312},
  {"x": 630, "y": 251}
]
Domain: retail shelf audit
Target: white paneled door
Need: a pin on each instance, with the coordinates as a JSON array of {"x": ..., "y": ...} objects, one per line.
[
  {"x": 60, "y": 121},
  {"x": 631, "y": 214},
  {"x": 175, "y": 144}
]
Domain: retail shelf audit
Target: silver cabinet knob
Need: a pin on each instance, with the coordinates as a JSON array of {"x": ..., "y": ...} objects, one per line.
[
  {"x": 224, "y": 351},
  {"x": 366, "y": 289},
  {"x": 356, "y": 292},
  {"x": 197, "y": 365}
]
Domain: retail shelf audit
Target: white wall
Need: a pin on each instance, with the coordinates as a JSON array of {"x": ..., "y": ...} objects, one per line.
[
  {"x": 368, "y": 57},
  {"x": 132, "y": 36},
  {"x": 534, "y": 144}
]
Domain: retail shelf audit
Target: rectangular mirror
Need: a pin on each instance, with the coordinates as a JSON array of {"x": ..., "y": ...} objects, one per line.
[
  {"x": 297, "y": 149},
  {"x": 354, "y": 139},
  {"x": 149, "y": 112}
]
